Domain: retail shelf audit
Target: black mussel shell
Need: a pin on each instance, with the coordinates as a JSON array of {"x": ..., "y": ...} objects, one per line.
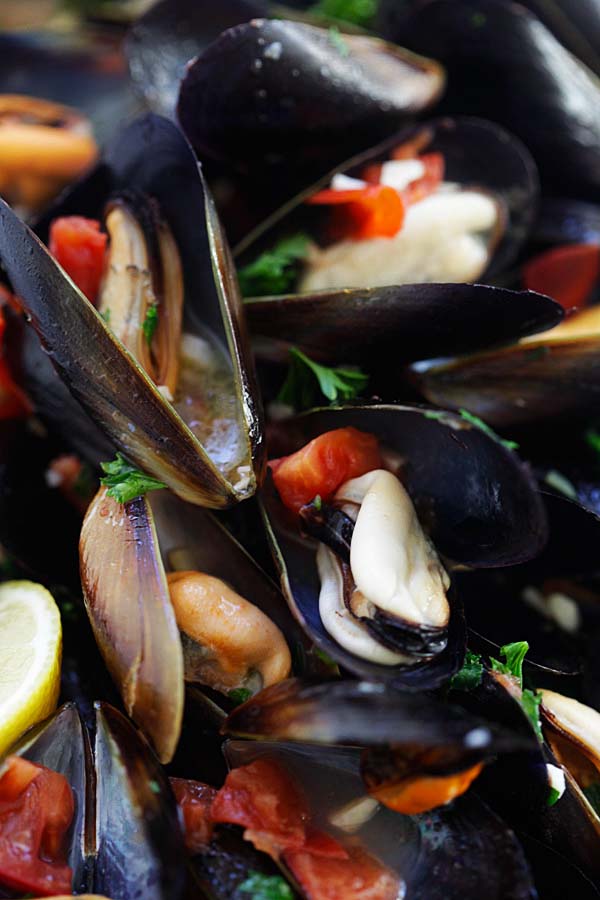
[
  {"x": 564, "y": 221},
  {"x": 477, "y": 502},
  {"x": 405, "y": 322},
  {"x": 151, "y": 157},
  {"x": 275, "y": 93},
  {"x": 504, "y": 63},
  {"x": 555, "y": 876},
  {"x": 171, "y": 32}
]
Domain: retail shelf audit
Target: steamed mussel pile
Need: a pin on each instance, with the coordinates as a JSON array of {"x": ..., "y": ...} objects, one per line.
[{"x": 298, "y": 426}]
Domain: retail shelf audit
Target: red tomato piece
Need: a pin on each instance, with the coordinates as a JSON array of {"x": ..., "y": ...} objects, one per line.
[
  {"x": 194, "y": 800},
  {"x": 360, "y": 877},
  {"x": 14, "y": 403},
  {"x": 568, "y": 274},
  {"x": 370, "y": 212},
  {"x": 79, "y": 246},
  {"x": 323, "y": 465},
  {"x": 36, "y": 810}
]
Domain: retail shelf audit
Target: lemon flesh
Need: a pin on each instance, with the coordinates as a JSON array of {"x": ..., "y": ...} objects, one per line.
[{"x": 30, "y": 658}]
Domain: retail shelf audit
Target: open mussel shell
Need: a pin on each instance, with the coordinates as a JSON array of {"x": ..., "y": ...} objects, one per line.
[
  {"x": 278, "y": 93},
  {"x": 467, "y": 144},
  {"x": 128, "y": 604},
  {"x": 546, "y": 377},
  {"x": 458, "y": 852},
  {"x": 152, "y": 158},
  {"x": 405, "y": 322},
  {"x": 504, "y": 63},
  {"x": 475, "y": 499},
  {"x": 126, "y": 839}
]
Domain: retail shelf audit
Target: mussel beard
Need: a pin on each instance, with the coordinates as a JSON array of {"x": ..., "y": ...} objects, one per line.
[
  {"x": 142, "y": 299},
  {"x": 446, "y": 237},
  {"x": 383, "y": 590}
]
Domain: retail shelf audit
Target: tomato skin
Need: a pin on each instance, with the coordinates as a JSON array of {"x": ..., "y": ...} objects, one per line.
[
  {"x": 568, "y": 274},
  {"x": 194, "y": 800},
  {"x": 79, "y": 246},
  {"x": 359, "y": 877},
  {"x": 323, "y": 465},
  {"x": 36, "y": 810},
  {"x": 370, "y": 212},
  {"x": 429, "y": 182}
]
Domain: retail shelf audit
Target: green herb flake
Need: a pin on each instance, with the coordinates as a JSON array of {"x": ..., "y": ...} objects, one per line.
[
  {"x": 306, "y": 377},
  {"x": 432, "y": 414},
  {"x": 357, "y": 12},
  {"x": 560, "y": 483},
  {"x": 150, "y": 323},
  {"x": 552, "y": 797},
  {"x": 592, "y": 439},
  {"x": 592, "y": 794},
  {"x": 336, "y": 40},
  {"x": 125, "y": 482},
  {"x": 266, "y": 887},
  {"x": 479, "y": 423},
  {"x": 530, "y": 701},
  {"x": 514, "y": 654},
  {"x": 239, "y": 695},
  {"x": 469, "y": 677},
  {"x": 154, "y": 787},
  {"x": 106, "y": 315},
  {"x": 318, "y": 503},
  {"x": 276, "y": 270},
  {"x": 325, "y": 658}
]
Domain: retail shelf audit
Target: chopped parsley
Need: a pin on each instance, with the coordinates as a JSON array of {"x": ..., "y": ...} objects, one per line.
[
  {"x": 125, "y": 482},
  {"x": 432, "y": 414},
  {"x": 276, "y": 270},
  {"x": 469, "y": 677},
  {"x": 306, "y": 378},
  {"x": 553, "y": 797},
  {"x": 266, "y": 887},
  {"x": 150, "y": 323},
  {"x": 560, "y": 483},
  {"x": 239, "y": 695},
  {"x": 325, "y": 658},
  {"x": 336, "y": 40},
  {"x": 479, "y": 423},
  {"x": 514, "y": 654},
  {"x": 154, "y": 786},
  {"x": 106, "y": 315},
  {"x": 357, "y": 12}
]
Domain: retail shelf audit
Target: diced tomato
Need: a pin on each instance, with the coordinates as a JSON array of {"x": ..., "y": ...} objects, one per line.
[
  {"x": 372, "y": 173},
  {"x": 323, "y": 465},
  {"x": 14, "y": 403},
  {"x": 194, "y": 800},
  {"x": 360, "y": 877},
  {"x": 370, "y": 212},
  {"x": 429, "y": 182},
  {"x": 36, "y": 810},
  {"x": 79, "y": 246},
  {"x": 568, "y": 273},
  {"x": 265, "y": 801}
]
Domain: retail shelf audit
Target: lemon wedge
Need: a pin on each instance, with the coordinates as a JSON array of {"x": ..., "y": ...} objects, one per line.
[{"x": 30, "y": 657}]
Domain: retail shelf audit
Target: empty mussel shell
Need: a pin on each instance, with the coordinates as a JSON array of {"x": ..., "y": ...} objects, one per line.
[
  {"x": 278, "y": 93},
  {"x": 150, "y": 158}
]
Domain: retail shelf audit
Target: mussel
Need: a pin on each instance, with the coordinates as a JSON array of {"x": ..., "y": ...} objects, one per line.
[
  {"x": 473, "y": 513},
  {"x": 284, "y": 95},
  {"x": 124, "y": 838},
  {"x": 216, "y": 619},
  {"x": 43, "y": 147},
  {"x": 166, "y": 250}
]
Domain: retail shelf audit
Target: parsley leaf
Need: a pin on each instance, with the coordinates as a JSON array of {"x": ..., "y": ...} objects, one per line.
[
  {"x": 299, "y": 389},
  {"x": 514, "y": 654},
  {"x": 358, "y": 12},
  {"x": 239, "y": 695},
  {"x": 275, "y": 271},
  {"x": 469, "y": 677},
  {"x": 150, "y": 323},
  {"x": 266, "y": 887},
  {"x": 479, "y": 423},
  {"x": 125, "y": 482},
  {"x": 553, "y": 797},
  {"x": 106, "y": 315}
]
